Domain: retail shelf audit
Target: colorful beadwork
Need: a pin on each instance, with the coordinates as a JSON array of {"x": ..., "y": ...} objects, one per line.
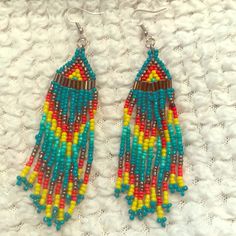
[
  {"x": 61, "y": 160},
  {"x": 151, "y": 164}
]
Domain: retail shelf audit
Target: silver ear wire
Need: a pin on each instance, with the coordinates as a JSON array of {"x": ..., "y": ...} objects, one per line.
[
  {"x": 82, "y": 41},
  {"x": 149, "y": 40}
]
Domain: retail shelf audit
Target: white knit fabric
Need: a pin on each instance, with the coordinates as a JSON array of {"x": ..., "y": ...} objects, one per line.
[{"x": 196, "y": 40}]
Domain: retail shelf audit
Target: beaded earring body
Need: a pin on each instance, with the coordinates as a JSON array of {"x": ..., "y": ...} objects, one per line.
[
  {"x": 59, "y": 166},
  {"x": 151, "y": 157}
]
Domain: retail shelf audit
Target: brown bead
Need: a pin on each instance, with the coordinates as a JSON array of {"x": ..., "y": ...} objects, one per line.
[{"x": 166, "y": 177}]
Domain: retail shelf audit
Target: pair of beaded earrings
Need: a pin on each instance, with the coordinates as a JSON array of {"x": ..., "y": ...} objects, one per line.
[{"x": 150, "y": 161}]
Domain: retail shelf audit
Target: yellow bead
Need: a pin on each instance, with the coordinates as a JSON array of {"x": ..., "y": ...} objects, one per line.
[
  {"x": 48, "y": 214},
  {"x": 151, "y": 145},
  {"x": 145, "y": 148},
  {"x": 70, "y": 211},
  {"x": 48, "y": 211},
  {"x": 140, "y": 141},
  {"x": 141, "y": 134},
  {"x": 42, "y": 201},
  {"x": 140, "y": 204},
  {"x": 33, "y": 177},
  {"x": 146, "y": 140},
  {"x": 80, "y": 171},
  {"x": 176, "y": 121},
  {"x": 118, "y": 186},
  {"x": 64, "y": 134},
  {"x": 153, "y": 138},
  {"x": 84, "y": 186},
  {"x": 82, "y": 128},
  {"x": 134, "y": 204}
]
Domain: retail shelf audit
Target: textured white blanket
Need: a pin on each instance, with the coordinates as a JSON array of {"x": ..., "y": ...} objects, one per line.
[{"x": 197, "y": 41}]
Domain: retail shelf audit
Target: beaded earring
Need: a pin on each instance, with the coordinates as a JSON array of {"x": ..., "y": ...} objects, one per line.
[
  {"x": 60, "y": 163},
  {"x": 151, "y": 163}
]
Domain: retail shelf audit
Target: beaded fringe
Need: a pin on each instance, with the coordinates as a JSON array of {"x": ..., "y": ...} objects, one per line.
[
  {"x": 61, "y": 160},
  {"x": 152, "y": 162}
]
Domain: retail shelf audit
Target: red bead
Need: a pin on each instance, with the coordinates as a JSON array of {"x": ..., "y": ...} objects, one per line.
[
  {"x": 159, "y": 200},
  {"x": 141, "y": 195},
  {"x": 81, "y": 163},
  {"x": 84, "y": 119},
  {"x": 142, "y": 126},
  {"x": 127, "y": 164},
  {"x": 86, "y": 178},
  {"x": 120, "y": 172},
  {"x": 154, "y": 181},
  {"x": 131, "y": 179},
  {"x": 73, "y": 198},
  {"x": 137, "y": 120},
  {"x": 130, "y": 111}
]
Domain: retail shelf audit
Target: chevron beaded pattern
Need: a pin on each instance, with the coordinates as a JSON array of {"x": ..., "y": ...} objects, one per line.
[{"x": 58, "y": 168}]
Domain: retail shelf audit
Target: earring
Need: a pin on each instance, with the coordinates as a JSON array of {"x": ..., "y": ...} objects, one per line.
[
  {"x": 151, "y": 163},
  {"x": 60, "y": 163}
]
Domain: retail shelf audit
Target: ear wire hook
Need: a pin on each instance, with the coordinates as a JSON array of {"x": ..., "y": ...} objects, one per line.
[
  {"x": 150, "y": 41},
  {"x": 82, "y": 41}
]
